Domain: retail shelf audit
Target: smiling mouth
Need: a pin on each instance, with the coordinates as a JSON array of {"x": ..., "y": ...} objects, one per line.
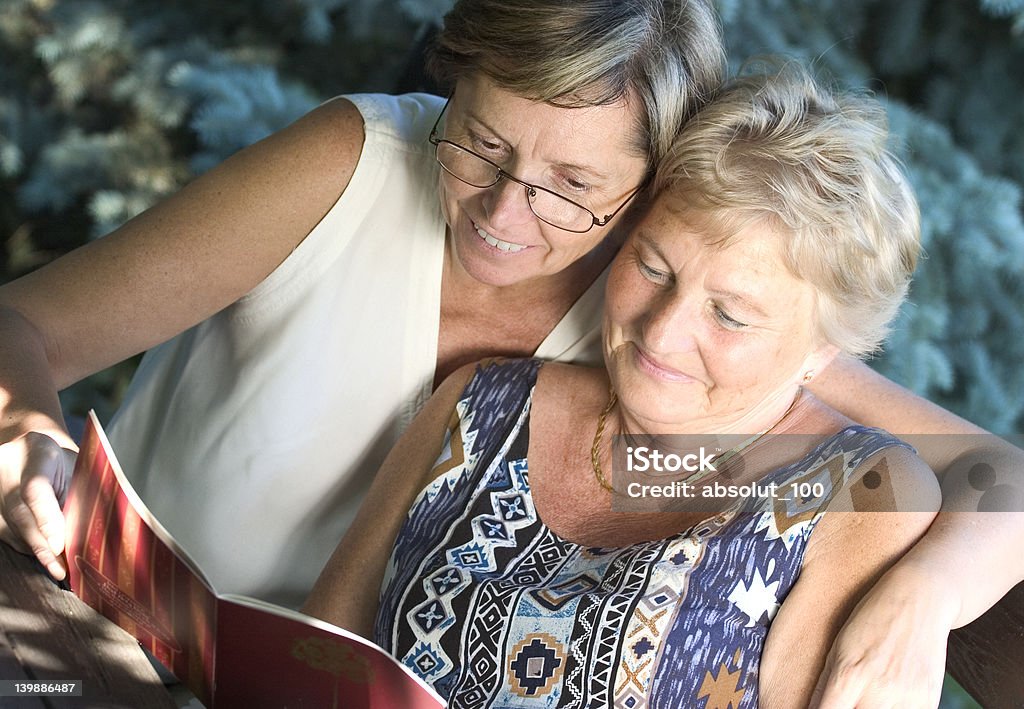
[
  {"x": 653, "y": 367},
  {"x": 505, "y": 246}
]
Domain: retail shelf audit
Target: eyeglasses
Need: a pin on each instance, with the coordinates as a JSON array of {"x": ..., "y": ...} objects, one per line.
[{"x": 550, "y": 207}]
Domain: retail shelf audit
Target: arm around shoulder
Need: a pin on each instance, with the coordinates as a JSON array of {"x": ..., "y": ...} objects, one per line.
[
  {"x": 970, "y": 550},
  {"x": 861, "y": 536}
]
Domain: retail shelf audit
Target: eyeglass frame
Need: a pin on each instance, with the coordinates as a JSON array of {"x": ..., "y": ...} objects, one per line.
[{"x": 531, "y": 190}]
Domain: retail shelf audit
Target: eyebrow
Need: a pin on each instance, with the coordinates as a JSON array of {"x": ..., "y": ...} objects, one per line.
[
  {"x": 650, "y": 243},
  {"x": 589, "y": 170}
]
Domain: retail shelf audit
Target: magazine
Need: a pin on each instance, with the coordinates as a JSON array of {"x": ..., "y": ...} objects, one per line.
[{"x": 231, "y": 651}]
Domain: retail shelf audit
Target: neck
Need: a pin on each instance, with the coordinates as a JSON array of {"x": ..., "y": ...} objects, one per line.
[{"x": 766, "y": 415}]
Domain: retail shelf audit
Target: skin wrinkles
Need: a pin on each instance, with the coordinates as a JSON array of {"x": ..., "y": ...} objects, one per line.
[
  {"x": 706, "y": 337},
  {"x": 477, "y": 133},
  {"x": 532, "y": 141}
]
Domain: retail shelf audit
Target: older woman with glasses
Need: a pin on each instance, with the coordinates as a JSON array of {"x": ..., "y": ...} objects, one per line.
[
  {"x": 303, "y": 299},
  {"x": 495, "y": 555},
  {"x": 546, "y": 204}
]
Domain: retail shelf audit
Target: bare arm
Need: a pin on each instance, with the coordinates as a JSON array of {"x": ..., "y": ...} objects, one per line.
[
  {"x": 863, "y": 395},
  {"x": 162, "y": 272},
  {"x": 965, "y": 563},
  {"x": 348, "y": 589},
  {"x": 193, "y": 254},
  {"x": 965, "y": 543},
  {"x": 848, "y": 551}
]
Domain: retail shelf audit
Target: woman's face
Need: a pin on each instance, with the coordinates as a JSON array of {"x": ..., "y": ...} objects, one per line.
[
  {"x": 583, "y": 154},
  {"x": 704, "y": 337}
]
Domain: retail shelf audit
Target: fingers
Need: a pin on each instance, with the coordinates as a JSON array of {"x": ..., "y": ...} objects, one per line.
[
  {"x": 28, "y": 534},
  {"x": 30, "y": 467},
  {"x": 47, "y": 520}
]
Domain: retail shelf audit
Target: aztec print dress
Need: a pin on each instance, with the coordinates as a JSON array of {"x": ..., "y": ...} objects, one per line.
[{"x": 492, "y": 608}]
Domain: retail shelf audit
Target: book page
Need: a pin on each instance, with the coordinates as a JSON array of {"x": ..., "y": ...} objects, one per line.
[
  {"x": 231, "y": 651},
  {"x": 272, "y": 656},
  {"x": 124, "y": 564}
]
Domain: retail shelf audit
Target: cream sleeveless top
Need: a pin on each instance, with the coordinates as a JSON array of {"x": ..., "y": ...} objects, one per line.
[{"x": 254, "y": 436}]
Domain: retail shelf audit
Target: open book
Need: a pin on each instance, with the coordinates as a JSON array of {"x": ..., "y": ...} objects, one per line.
[{"x": 231, "y": 651}]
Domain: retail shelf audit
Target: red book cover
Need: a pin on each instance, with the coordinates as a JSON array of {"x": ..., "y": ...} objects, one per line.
[{"x": 229, "y": 650}]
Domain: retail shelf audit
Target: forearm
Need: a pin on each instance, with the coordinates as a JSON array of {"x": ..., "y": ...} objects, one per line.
[
  {"x": 28, "y": 392},
  {"x": 978, "y": 535},
  {"x": 862, "y": 394},
  {"x": 959, "y": 556},
  {"x": 974, "y": 546},
  {"x": 852, "y": 387}
]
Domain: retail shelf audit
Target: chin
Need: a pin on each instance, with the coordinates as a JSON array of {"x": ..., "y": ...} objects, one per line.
[
  {"x": 656, "y": 402},
  {"x": 662, "y": 416},
  {"x": 485, "y": 265}
]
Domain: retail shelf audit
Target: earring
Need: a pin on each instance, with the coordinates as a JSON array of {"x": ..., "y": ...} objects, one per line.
[{"x": 808, "y": 376}]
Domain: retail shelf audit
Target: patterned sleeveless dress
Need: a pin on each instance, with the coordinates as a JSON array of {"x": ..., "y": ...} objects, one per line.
[{"x": 493, "y": 609}]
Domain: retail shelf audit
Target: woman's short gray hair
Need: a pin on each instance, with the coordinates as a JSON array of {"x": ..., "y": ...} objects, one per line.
[
  {"x": 815, "y": 164},
  {"x": 665, "y": 54}
]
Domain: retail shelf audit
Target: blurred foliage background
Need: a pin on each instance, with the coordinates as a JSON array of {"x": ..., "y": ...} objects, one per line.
[{"x": 108, "y": 105}]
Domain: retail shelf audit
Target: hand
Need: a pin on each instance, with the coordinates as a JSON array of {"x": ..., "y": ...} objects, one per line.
[
  {"x": 34, "y": 476},
  {"x": 891, "y": 652}
]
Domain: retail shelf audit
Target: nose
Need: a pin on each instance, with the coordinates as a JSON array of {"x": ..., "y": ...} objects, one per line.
[
  {"x": 507, "y": 204},
  {"x": 671, "y": 323}
]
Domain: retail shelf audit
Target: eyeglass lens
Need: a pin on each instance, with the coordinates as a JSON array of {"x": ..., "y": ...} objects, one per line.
[{"x": 478, "y": 172}]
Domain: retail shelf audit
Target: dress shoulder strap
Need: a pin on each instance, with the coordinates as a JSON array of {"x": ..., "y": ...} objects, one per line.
[{"x": 496, "y": 401}]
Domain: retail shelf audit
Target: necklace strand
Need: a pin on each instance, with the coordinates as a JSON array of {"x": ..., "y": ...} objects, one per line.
[{"x": 595, "y": 449}]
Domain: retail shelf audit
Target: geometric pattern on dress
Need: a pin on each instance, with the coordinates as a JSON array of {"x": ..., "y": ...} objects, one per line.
[
  {"x": 651, "y": 618},
  {"x": 557, "y": 596},
  {"x": 618, "y": 611},
  {"x": 721, "y": 688},
  {"x": 426, "y": 661},
  {"x": 453, "y": 453},
  {"x": 755, "y": 598},
  {"x": 497, "y": 604},
  {"x": 494, "y": 609},
  {"x": 830, "y": 474},
  {"x": 655, "y": 612},
  {"x": 535, "y": 665},
  {"x": 574, "y": 695},
  {"x": 511, "y": 510},
  {"x": 425, "y": 623},
  {"x": 629, "y": 698},
  {"x": 445, "y": 495},
  {"x": 481, "y": 672}
]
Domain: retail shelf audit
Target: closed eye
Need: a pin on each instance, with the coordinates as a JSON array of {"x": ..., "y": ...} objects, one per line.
[
  {"x": 485, "y": 145},
  {"x": 574, "y": 185},
  {"x": 726, "y": 321},
  {"x": 653, "y": 274}
]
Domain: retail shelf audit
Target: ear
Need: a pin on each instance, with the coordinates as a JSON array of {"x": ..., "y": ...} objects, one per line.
[{"x": 816, "y": 361}]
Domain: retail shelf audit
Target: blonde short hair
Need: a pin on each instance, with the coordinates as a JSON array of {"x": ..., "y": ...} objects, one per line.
[
  {"x": 815, "y": 164},
  {"x": 665, "y": 54}
]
